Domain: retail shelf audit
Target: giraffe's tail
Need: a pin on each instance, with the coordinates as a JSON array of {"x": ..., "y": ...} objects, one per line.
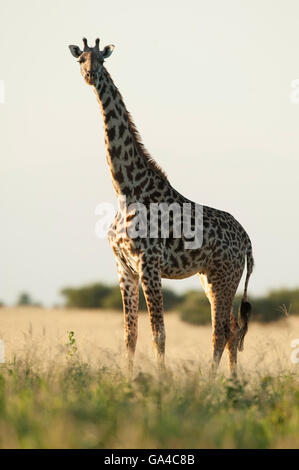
[{"x": 245, "y": 307}]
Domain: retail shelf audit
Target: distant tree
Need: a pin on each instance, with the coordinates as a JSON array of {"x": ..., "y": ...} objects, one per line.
[
  {"x": 109, "y": 297},
  {"x": 274, "y": 305},
  {"x": 91, "y": 296},
  {"x": 142, "y": 302},
  {"x": 24, "y": 299},
  {"x": 2, "y": 304},
  {"x": 195, "y": 308},
  {"x": 113, "y": 299},
  {"x": 171, "y": 299},
  {"x": 193, "y": 305}
]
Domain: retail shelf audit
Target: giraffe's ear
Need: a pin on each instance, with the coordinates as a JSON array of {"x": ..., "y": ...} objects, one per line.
[
  {"x": 107, "y": 51},
  {"x": 75, "y": 51}
]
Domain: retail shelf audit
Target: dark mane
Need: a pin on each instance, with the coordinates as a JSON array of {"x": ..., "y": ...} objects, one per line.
[
  {"x": 141, "y": 149},
  {"x": 137, "y": 138}
]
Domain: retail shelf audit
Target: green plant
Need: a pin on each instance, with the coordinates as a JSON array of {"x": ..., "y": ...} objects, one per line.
[{"x": 71, "y": 345}]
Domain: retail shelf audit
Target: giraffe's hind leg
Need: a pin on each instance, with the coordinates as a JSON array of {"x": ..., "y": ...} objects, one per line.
[
  {"x": 224, "y": 328},
  {"x": 232, "y": 345},
  {"x": 220, "y": 310},
  {"x": 234, "y": 328}
]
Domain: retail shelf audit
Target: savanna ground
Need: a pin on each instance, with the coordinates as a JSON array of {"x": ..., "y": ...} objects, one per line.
[{"x": 63, "y": 391}]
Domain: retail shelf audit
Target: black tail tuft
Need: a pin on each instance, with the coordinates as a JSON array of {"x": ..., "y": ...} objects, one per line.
[{"x": 243, "y": 318}]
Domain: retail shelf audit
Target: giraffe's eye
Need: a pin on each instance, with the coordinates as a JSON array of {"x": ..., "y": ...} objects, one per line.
[{"x": 81, "y": 60}]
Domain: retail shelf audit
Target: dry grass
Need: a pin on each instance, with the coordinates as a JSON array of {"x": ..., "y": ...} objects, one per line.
[
  {"x": 99, "y": 336},
  {"x": 49, "y": 399}
]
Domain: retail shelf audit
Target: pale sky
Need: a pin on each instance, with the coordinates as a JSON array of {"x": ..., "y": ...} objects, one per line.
[{"x": 208, "y": 84}]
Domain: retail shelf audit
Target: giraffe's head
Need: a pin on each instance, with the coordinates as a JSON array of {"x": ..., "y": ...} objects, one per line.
[{"x": 91, "y": 60}]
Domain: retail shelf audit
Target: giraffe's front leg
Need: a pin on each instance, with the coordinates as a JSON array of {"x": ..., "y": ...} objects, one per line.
[
  {"x": 151, "y": 284},
  {"x": 129, "y": 287}
]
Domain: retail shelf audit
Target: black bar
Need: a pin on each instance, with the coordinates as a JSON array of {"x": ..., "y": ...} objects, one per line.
[{"x": 138, "y": 458}]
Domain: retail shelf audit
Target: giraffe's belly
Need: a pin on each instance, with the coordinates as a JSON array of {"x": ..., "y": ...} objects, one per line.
[
  {"x": 170, "y": 271},
  {"x": 183, "y": 274},
  {"x": 181, "y": 263},
  {"x": 176, "y": 261}
]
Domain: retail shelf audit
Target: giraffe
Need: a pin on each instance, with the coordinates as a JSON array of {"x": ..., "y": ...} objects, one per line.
[{"x": 225, "y": 245}]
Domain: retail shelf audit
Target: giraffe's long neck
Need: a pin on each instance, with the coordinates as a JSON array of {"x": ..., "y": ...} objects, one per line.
[{"x": 129, "y": 163}]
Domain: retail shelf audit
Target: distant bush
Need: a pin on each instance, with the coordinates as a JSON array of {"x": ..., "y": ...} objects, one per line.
[
  {"x": 195, "y": 308},
  {"x": 24, "y": 299},
  {"x": 113, "y": 300},
  {"x": 193, "y": 305},
  {"x": 171, "y": 299},
  {"x": 109, "y": 297},
  {"x": 91, "y": 296},
  {"x": 265, "y": 309},
  {"x": 273, "y": 306}
]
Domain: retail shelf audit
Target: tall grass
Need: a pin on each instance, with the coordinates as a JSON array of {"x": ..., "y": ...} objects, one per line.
[
  {"x": 75, "y": 406},
  {"x": 64, "y": 386}
]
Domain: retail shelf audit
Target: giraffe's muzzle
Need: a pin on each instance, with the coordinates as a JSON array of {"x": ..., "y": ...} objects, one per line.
[{"x": 90, "y": 77}]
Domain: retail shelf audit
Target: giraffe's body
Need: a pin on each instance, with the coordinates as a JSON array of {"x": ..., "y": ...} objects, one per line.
[{"x": 219, "y": 260}]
